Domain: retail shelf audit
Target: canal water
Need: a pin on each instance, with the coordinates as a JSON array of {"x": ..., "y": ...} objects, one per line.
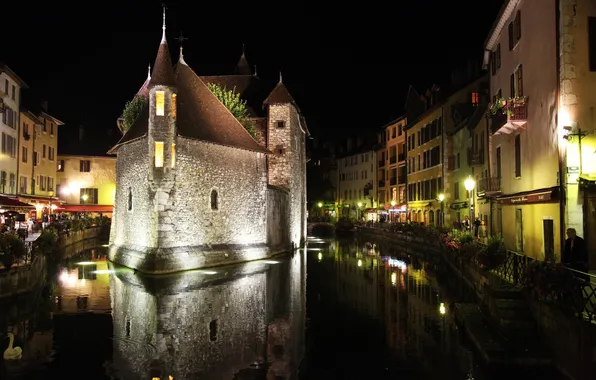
[{"x": 341, "y": 309}]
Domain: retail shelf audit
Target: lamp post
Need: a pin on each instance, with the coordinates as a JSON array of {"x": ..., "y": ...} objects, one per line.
[
  {"x": 359, "y": 211},
  {"x": 442, "y": 216},
  {"x": 51, "y": 194},
  {"x": 393, "y": 209},
  {"x": 320, "y": 205},
  {"x": 469, "y": 184}
]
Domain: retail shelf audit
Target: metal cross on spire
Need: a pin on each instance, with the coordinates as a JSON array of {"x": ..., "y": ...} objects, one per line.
[{"x": 181, "y": 39}]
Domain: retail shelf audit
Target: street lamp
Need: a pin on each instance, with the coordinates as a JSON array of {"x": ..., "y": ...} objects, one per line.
[
  {"x": 84, "y": 197},
  {"x": 393, "y": 203},
  {"x": 442, "y": 216},
  {"x": 51, "y": 194},
  {"x": 469, "y": 184}
]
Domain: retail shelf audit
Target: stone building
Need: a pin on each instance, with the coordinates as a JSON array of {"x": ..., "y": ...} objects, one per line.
[
  {"x": 11, "y": 86},
  {"x": 193, "y": 187}
]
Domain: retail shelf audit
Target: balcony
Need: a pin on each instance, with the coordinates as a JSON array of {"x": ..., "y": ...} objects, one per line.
[
  {"x": 381, "y": 183},
  {"x": 393, "y": 181},
  {"x": 475, "y": 158},
  {"x": 489, "y": 185},
  {"x": 393, "y": 160},
  {"x": 381, "y": 163},
  {"x": 508, "y": 116}
]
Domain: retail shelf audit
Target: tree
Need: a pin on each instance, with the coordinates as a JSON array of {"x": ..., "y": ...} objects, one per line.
[
  {"x": 231, "y": 99},
  {"x": 131, "y": 112}
]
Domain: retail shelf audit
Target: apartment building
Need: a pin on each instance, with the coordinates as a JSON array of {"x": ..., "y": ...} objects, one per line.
[
  {"x": 357, "y": 186},
  {"x": 424, "y": 162},
  {"x": 11, "y": 86},
  {"x": 464, "y": 110},
  {"x": 522, "y": 54},
  {"x": 395, "y": 169}
]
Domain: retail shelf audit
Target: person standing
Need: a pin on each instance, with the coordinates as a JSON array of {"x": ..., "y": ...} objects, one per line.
[{"x": 575, "y": 253}]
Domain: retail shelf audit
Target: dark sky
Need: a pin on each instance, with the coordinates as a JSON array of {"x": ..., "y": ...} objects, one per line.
[{"x": 348, "y": 64}]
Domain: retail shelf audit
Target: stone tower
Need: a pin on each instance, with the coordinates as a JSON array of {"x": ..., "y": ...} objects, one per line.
[
  {"x": 161, "y": 139},
  {"x": 286, "y": 139}
]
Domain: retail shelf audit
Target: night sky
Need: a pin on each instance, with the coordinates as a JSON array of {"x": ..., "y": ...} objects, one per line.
[{"x": 348, "y": 65}]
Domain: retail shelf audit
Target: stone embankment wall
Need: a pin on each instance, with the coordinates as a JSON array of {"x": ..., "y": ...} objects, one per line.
[{"x": 23, "y": 279}]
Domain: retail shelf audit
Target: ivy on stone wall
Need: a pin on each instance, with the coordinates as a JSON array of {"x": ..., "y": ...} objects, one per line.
[
  {"x": 231, "y": 99},
  {"x": 131, "y": 112}
]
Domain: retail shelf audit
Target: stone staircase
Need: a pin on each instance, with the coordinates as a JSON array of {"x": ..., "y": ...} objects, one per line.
[{"x": 509, "y": 315}]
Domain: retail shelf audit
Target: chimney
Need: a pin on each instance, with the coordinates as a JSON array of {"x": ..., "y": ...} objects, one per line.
[
  {"x": 44, "y": 105},
  {"x": 81, "y": 133}
]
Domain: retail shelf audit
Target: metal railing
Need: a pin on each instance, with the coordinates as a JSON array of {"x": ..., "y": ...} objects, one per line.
[{"x": 514, "y": 271}]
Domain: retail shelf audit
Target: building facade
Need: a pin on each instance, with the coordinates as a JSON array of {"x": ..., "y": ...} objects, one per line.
[
  {"x": 29, "y": 123},
  {"x": 86, "y": 183},
  {"x": 576, "y": 123},
  {"x": 38, "y": 140},
  {"x": 524, "y": 145},
  {"x": 425, "y": 172},
  {"x": 10, "y": 103},
  {"x": 357, "y": 186},
  {"x": 394, "y": 175},
  {"x": 206, "y": 191},
  {"x": 463, "y": 111}
]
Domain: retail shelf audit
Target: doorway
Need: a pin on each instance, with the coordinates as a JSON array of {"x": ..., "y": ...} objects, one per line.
[
  {"x": 548, "y": 237},
  {"x": 519, "y": 231}
]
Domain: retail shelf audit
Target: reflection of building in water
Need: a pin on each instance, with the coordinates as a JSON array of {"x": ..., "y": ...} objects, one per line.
[
  {"x": 84, "y": 288},
  {"x": 210, "y": 324}
]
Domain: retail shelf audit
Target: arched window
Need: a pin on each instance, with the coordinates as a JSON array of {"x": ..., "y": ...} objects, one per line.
[
  {"x": 129, "y": 199},
  {"x": 214, "y": 200}
]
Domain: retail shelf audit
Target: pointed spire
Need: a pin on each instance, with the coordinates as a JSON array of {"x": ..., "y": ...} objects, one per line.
[
  {"x": 149, "y": 72},
  {"x": 163, "y": 35},
  {"x": 181, "y": 39},
  {"x": 243, "y": 67},
  {"x": 163, "y": 73},
  {"x": 280, "y": 77},
  {"x": 255, "y": 74}
]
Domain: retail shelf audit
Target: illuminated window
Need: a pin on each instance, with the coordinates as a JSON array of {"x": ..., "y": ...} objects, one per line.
[
  {"x": 173, "y": 156},
  {"x": 159, "y": 154},
  {"x": 159, "y": 103},
  {"x": 475, "y": 99},
  {"x": 173, "y": 107}
]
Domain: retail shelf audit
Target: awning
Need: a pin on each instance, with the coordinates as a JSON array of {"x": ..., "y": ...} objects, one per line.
[
  {"x": 87, "y": 208},
  {"x": 371, "y": 210},
  {"x": 547, "y": 195},
  {"x": 12, "y": 203}
]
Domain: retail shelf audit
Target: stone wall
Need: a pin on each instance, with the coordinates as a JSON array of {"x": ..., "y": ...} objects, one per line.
[
  {"x": 172, "y": 226},
  {"x": 19, "y": 280},
  {"x": 78, "y": 236},
  {"x": 135, "y": 227},
  {"x": 287, "y": 168},
  {"x": 183, "y": 329}
]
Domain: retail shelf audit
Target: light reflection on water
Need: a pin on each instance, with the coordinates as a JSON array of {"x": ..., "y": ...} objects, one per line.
[{"x": 363, "y": 311}]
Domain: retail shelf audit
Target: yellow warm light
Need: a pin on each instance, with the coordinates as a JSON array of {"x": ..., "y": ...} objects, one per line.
[
  {"x": 174, "y": 105},
  {"x": 159, "y": 154},
  {"x": 442, "y": 308},
  {"x": 159, "y": 103},
  {"x": 173, "y": 156}
]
